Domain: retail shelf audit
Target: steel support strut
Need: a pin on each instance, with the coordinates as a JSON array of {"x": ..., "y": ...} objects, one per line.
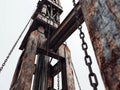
[
  {"x": 103, "y": 21},
  {"x": 25, "y": 68}
]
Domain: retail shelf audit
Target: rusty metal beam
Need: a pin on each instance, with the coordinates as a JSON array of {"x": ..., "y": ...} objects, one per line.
[
  {"x": 56, "y": 68},
  {"x": 40, "y": 77},
  {"x": 41, "y": 73},
  {"x": 50, "y": 53},
  {"x": 103, "y": 21},
  {"x": 17, "y": 71},
  {"x": 67, "y": 72},
  {"x": 35, "y": 24},
  {"x": 60, "y": 34},
  {"x": 41, "y": 18},
  {"x": 25, "y": 67},
  {"x": 50, "y": 78},
  {"x": 24, "y": 78},
  {"x": 66, "y": 28}
]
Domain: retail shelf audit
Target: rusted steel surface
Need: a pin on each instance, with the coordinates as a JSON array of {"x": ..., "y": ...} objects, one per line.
[
  {"x": 50, "y": 83},
  {"x": 103, "y": 21},
  {"x": 50, "y": 78},
  {"x": 67, "y": 73},
  {"x": 17, "y": 71},
  {"x": 36, "y": 40},
  {"x": 41, "y": 17},
  {"x": 66, "y": 28},
  {"x": 41, "y": 73},
  {"x": 56, "y": 69},
  {"x": 49, "y": 53}
]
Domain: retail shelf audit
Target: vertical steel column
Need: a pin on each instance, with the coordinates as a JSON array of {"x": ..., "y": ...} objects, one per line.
[
  {"x": 25, "y": 67},
  {"x": 40, "y": 78},
  {"x": 103, "y": 21},
  {"x": 50, "y": 78},
  {"x": 67, "y": 72}
]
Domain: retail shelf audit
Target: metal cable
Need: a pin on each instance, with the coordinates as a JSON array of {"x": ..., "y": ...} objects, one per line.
[
  {"x": 88, "y": 61},
  {"x": 76, "y": 76},
  {"x": 72, "y": 68},
  {"x": 4, "y": 63}
]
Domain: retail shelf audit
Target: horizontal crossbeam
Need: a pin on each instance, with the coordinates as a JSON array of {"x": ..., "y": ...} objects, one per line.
[
  {"x": 60, "y": 34},
  {"x": 49, "y": 53},
  {"x": 66, "y": 28}
]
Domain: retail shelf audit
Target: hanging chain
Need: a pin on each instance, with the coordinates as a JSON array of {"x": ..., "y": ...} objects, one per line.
[
  {"x": 88, "y": 61},
  {"x": 92, "y": 76},
  {"x": 5, "y": 61},
  {"x": 74, "y": 3}
]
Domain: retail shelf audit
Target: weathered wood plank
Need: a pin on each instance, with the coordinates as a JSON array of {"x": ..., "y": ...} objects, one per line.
[{"x": 103, "y": 21}]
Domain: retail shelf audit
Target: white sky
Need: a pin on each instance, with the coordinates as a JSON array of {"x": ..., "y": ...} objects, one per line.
[{"x": 14, "y": 14}]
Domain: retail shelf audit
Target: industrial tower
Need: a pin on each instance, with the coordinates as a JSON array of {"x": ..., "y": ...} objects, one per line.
[
  {"x": 46, "y": 36},
  {"x": 46, "y": 20}
]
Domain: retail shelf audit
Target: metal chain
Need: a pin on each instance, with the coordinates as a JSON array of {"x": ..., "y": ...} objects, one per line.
[
  {"x": 5, "y": 61},
  {"x": 88, "y": 61},
  {"x": 74, "y": 3},
  {"x": 92, "y": 76}
]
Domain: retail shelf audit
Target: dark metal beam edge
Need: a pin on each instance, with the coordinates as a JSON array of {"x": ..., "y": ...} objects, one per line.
[
  {"x": 49, "y": 53},
  {"x": 66, "y": 28}
]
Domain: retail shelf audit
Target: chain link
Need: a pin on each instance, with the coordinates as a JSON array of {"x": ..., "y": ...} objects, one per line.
[
  {"x": 88, "y": 61},
  {"x": 73, "y": 2},
  {"x": 92, "y": 76}
]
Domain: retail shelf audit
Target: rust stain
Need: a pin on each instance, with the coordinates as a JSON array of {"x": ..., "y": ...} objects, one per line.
[
  {"x": 112, "y": 5},
  {"x": 65, "y": 52},
  {"x": 36, "y": 39},
  {"x": 103, "y": 21}
]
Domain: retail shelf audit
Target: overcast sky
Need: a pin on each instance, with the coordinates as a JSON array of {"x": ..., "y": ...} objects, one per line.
[{"x": 14, "y": 14}]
